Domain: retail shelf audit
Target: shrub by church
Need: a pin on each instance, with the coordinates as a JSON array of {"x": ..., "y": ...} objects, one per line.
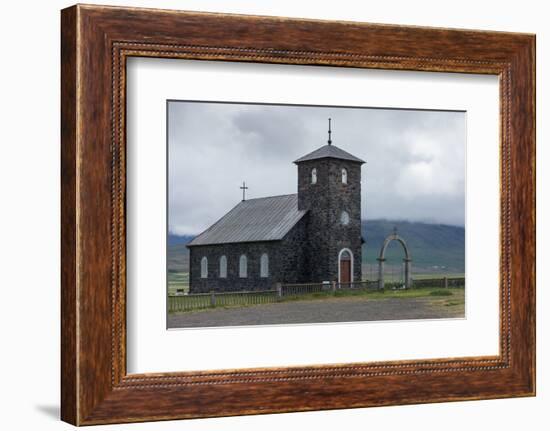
[{"x": 309, "y": 237}]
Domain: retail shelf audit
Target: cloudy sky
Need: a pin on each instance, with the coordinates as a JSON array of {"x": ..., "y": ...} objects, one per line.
[{"x": 415, "y": 160}]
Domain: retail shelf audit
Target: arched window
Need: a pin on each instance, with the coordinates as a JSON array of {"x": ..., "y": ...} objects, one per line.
[
  {"x": 314, "y": 176},
  {"x": 344, "y": 176},
  {"x": 243, "y": 267},
  {"x": 204, "y": 267},
  {"x": 223, "y": 267},
  {"x": 344, "y": 218},
  {"x": 264, "y": 265}
]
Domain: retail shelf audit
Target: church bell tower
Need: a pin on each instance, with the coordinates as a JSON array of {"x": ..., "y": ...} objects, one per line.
[{"x": 329, "y": 187}]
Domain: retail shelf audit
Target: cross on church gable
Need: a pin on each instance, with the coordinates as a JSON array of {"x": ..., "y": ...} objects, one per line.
[{"x": 244, "y": 188}]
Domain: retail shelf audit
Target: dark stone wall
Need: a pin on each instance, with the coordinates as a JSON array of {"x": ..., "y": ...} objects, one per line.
[
  {"x": 315, "y": 198},
  {"x": 293, "y": 254},
  {"x": 345, "y": 197},
  {"x": 286, "y": 263},
  {"x": 233, "y": 252},
  {"x": 325, "y": 201}
]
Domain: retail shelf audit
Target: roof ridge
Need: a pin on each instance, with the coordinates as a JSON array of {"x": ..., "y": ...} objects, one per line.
[{"x": 268, "y": 197}]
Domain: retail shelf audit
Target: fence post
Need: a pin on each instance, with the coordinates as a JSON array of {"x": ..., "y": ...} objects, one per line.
[
  {"x": 333, "y": 287},
  {"x": 446, "y": 282},
  {"x": 212, "y": 299},
  {"x": 279, "y": 287}
]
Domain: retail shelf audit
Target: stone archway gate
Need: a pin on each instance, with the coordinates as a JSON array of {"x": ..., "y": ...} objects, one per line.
[{"x": 381, "y": 259}]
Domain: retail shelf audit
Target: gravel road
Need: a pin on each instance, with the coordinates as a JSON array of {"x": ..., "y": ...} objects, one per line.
[{"x": 319, "y": 311}]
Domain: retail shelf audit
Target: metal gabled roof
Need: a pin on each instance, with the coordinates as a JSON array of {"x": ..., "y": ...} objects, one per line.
[{"x": 253, "y": 220}]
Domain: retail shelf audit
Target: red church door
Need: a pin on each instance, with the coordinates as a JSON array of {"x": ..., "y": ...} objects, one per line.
[{"x": 345, "y": 267}]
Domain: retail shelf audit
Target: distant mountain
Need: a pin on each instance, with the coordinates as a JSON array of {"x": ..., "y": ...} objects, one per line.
[
  {"x": 177, "y": 239},
  {"x": 177, "y": 259},
  {"x": 433, "y": 247}
]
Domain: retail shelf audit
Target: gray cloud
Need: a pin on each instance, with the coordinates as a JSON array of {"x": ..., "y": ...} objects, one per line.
[{"x": 415, "y": 166}]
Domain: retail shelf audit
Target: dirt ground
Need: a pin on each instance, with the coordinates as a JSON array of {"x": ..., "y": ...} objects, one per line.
[{"x": 345, "y": 309}]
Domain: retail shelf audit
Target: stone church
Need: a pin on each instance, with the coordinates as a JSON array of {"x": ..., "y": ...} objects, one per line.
[{"x": 312, "y": 236}]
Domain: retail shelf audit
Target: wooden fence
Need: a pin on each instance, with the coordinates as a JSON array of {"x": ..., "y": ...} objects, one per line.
[
  {"x": 199, "y": 301},
  {"x": 365, "y": 285},
  {"x": 296, "y": 290},
  {"x": 445, "y": 282}
]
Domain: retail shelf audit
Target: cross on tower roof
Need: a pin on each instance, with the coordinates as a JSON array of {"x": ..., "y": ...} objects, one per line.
[{"x": 244, "y": 188}]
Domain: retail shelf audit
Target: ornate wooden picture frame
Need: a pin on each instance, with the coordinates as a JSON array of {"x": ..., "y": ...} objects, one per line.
[{"x": 96, "y": 41}]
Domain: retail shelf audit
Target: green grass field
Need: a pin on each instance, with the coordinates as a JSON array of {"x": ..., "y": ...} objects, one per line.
[
  {"x": 443, "y": 297},
  {"x": 177, "y": 281},
  {"x": 430, "y": 276},
  {"x": 450, "y": 297}
]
